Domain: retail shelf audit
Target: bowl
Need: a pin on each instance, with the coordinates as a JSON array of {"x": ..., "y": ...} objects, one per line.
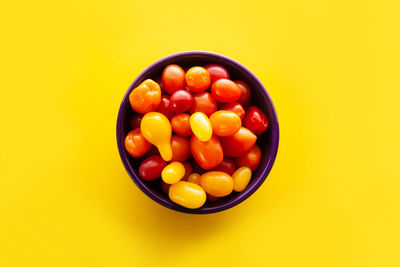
[{"x": 268, "y": 142}]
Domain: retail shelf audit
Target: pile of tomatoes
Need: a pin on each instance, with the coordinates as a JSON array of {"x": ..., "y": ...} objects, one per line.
[{"x": 197, "y": 130}]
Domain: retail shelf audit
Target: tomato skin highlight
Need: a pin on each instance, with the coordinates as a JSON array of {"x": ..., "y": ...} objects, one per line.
[
  {"x": 225, "y": 91},
  {"x": 203, "y": 102},
  {"x": 217, "y": 72},
  {"x": 173, "y": 78},
  {"x": 207, "y": 154},
  {"x": 256, "y": 121},
  {"x": 136, "y": 144},
  {"x": 151, "y": 168},
  {"x": 239, "y": 143},
  {"x": 235, "y": 107},
  {"x": 250, "y": 159}
]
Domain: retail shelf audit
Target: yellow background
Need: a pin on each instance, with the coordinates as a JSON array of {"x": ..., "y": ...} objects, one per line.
[{"x": 331, "y": 67}]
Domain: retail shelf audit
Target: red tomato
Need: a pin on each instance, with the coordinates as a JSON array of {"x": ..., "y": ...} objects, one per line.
[
  {"x": 227, "y": 165},
  {"x": 180, "y": 148},
  {"x": 203, "y": 102},
  {"x": 180, "y": 101},
  {"x": 225, "y": 91},
  {"x": 250, "y": 159},
  {"x": 180, "y": 124},
  {"x": 164, "y": 107},
  {"x": 173, "y": 78},
  {"x": 146, "y": 97},
  {"x": 211, "y": 198},
  {"x": 165, "y": 187},
  {"x": 159, "y": 81},
  {"x": 235, "y": 107},
  {"x": 239, "y": 143},
  {"x": 197, "y": 79},
  {"x": 134, "y": 121},
  {"x": 225, "y": 123},
  {"x": 217, "y": 72},
  {"x": 255, "y": 120},
  {"x": 207, "y": 154},
  {"x": 188, "y": 170},
  {"x": 136, "y": 144},
  {"x": 151, "y": 168},
  {"x": 246, "y": 92}
]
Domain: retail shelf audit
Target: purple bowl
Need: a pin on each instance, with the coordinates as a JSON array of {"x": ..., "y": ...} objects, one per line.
[{"x": 268, "y": 142}]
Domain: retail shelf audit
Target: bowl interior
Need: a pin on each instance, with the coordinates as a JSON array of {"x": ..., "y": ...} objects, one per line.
[{"x": 268, "y": 142}]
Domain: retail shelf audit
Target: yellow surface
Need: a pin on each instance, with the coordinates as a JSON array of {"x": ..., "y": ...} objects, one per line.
[{"x": 331, "y": 67}]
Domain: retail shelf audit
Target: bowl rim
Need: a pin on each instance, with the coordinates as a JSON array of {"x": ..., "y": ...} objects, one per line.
[{"x": 264, "y": 171}]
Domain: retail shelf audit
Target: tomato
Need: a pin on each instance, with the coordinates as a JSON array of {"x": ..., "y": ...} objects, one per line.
[
  {"x": 212, "y": 198},
  {"x": 180, "y": 101},
  {"x": 181, "y": 124},
  {"x": 165, "y": 187},
  {"x": 217, "y": 72},
  {"x": 188, "y": 169},
  {"x": 217, "y": 184},
  {"x": 151, "y": 168},
  {"x": 146, "y": 97},
  {"x": 238, "y": 143},
  {"x": 187, "y": 194},
  {"x": 136, "y": 144},
  {"x": 173, "y": 78},
  {"x": 194, "y": 178},
  {"x": 225, "y": 123},
  {"x": 156, "y": 128},
  {"x": 246, "y": 92},
  {"x": 241, "y": 178},
  {"x": 250, "y": 159},
  {"x": 134, "y": 121},
  {"x": 203, "y": 102},
  {"x": 207, "y": 154},
  {"x": 164, "y": 107},
  {"x": 234, "y": 107},
  {"x": 197, "y": 79},
  {"x": 197, "y": 168},
  {"x": 180, "y": 148},
  {"x": 173, "y": 172},
  {"x": 225, "y": 91},
  {"x": 201, "y": 126},
  {"x": 227, "y": 165},
  {"x": 255, "y": 120}
]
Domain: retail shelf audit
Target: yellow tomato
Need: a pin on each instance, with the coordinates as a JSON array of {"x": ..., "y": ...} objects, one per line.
[
  {"x": 241, "y": 178},
  {"x": 187, "y": 194},
  {"x": 201, "y": 126},
  {"x": 216, "y": 183},
  {"x": 155, "y": 127},
  {"x": 173, "y": 172}
]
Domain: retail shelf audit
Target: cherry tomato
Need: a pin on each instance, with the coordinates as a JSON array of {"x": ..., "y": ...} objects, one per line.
[
  {"x": 165, "y": 187},
  {"x": 136, "y": 144},
  {"x": 159, "y": 81},
  {"x": 217, "y": 184},
  {"x": 173, "y": 172},
  {"x": 197, "y": 168},
  {"x": 151, "y": 168},
  {"x": 203, "y": 102},
  {"x": 241, "y": 178},
  {"x": 225, "y": 123},
  {"x": 227, "y": 165},
  {"x": 238, "y": 143},
  {"x": 197, "y": 79},
  {"x": 181, "y": 124},
  {"x": 173, "y": 78},
  {"x": 234, "y": 107},
  {"x": 134, "y": 121},
  {"x": 187, "y": 194},
  {"x": 146, "y": 97},
  {"x": 246, "y": 92},
  {"x": 188, "y": 170},
  {"x": 217, "y": 72},
  {"x": 152, "y": 152},
  {"x": 194, "y": 178},
  {"x": 180, "y": 148},
  {"x": 201, "y": 126},
  {"x": 164, "y": 107},
  {"x": 207, "y": 154},
  {"x": 212, "y": 198},
  {"x": 255, "y": 120},
  {"x": 180, "y": 101},
  {"x": 250, "y": 159},
  {"x": 225, "y": 91}
]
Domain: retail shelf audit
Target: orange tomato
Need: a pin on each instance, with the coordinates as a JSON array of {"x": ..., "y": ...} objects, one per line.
[
  {"x": 173, "y": 78},
  {"x": 197, "y": 79},
  {"x": 238, "y": 143},
  {"x": 207, "y": 154},
  {"x": 181, "y": 124},
  {"x": 225, "y": 123},
  {"x": 146, "y": 97},
  {"x": 136, "y": 144},
  {"x": 217, "y": 184},
  {"x": 250, "y": 159},
  {"x": 180, "y": 148}
]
